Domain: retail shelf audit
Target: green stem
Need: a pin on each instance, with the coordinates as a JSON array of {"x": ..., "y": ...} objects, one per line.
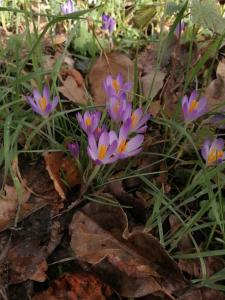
[{"x": 93, "y": 175}]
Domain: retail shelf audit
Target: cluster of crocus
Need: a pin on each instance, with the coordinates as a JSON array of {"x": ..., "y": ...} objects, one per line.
[
  {"x": 212, "y": 151},
  {"x": 41, "y": 104},
  {"x": 107, "y": 146},
  {"x": 192, "y": 107},
  {"x": 108, "y": 23},
  {"x": 68, "y": 7}
]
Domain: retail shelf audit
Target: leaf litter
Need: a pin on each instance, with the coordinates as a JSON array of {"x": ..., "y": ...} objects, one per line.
[{"x": 122, "y": 257}]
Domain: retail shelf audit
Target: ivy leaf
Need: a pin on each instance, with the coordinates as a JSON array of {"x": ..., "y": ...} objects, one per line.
[{"x": 206, "y": 13}]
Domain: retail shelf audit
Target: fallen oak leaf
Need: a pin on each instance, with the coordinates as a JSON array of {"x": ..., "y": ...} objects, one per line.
[
  {"x": 136, "y": 263},
  {"x": 73, "y": 86},
  {"x": 57, "y": 162},
  {"x": 77, "y": 286},
  {"x": 202, "y": 294}
]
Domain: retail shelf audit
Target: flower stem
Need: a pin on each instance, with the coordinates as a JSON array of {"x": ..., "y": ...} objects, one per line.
[{"x": 93, "y": 175}]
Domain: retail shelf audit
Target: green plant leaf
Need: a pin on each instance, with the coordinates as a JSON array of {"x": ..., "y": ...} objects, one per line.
[
  {"x": 144, "y": 15},
  {"x": 206, "y": 13}
]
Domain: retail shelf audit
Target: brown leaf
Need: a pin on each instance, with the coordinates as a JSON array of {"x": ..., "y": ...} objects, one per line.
[
  {"x": 116, "y": 62},
  {"x": 9, "y": 204},
  {"x": 193, "y": 267},
  {"x": 215, "y": 92},
  {"x": 57, "y": 163},
  {"x": 135, "y": 262},
  {"x": 73, "y": 86},
  {"x": 202, "y": 294},
  {"x": 83, "y": 286},
  {"x": 155, "y": 108},
  {"x": 152, "y": 83}
]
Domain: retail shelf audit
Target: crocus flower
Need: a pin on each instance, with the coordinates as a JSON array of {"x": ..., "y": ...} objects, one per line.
[
  {"x": 68, "y": 7},
  {"x": 89, "y": 122},
  {"x": 116, "y": 87},
  {"x": 108, "y": 23},
  {"x": 192, "y": 108},
  {"x": 118, "y": 109},
  {"x": 127, "y": 148},
  {"x": 138, "y": 121},
  {"x": 74, "y": 149},
  {"x": 103, "y": 152},
  {"x": 212, "y": 151},
  {"x": 179, "y": 29},
  {"x": 41, "y": 104}
]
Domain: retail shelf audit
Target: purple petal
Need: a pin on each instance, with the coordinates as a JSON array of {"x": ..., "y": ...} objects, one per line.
[
  {"x": 48, "y": 109},
  {"x": 134, "y": 152},
  {"x": 112, "y": 136},
  {"x": 46, "y": 93},
  {"x": 111, "y": 149},
  {"x": 194, "y": 96},
  {"x": 135, "y": 142},
  {"x": 205, "y": 149},
  {"x": 119, "y": 79},
  {"x": 127, "y": 86},
  {"x": 92, "y": 144},
  {"x": 55, "y": 102},
  {"x": 218, "y": 144},
  {"x": 124, "y": 130},
  {"x": 104, "y": 139},
  {"x": 37, "y": 95}
]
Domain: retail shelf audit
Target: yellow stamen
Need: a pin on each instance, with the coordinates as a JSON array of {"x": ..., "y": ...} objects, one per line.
[
  {"x": 42, "y": 104},
  {"x": 134, "y": 120},
  {"x": 116, "y": 85},
  {"x": 214, "y": 155},
  {"x": 122, "y": 146},
  {"x": 116, "y": 107},
  {"x": 193, "y": 106},
  {"x": 88, "y": 121},
  {"x": 102, "y": 152}
]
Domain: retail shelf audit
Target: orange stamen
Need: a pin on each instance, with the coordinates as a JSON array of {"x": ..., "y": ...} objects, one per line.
[
  {"x": 193, "y": 106},
  {"x": 214, "y": 155},
  {"x": 116, "y": 85},
  {"x": 134, "y": 120},
  {"x": 42, "y": 104},
  {"x": 102, "y": 152},
  {"x": 88, "y": 122},
  {"x": 122, "y": 146}
]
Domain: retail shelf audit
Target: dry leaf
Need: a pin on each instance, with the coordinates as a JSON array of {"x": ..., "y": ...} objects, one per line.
[
  {"x": 215, "y": 92},
  {"x": 134, "y": 263},
  {"x": 152, "y": 83},
  {"x": 116, "y": 62},
  {"x": 9, "y": 204},
  {"x": 202, "y": 294},
  {"x": 154, "y": 108},
  {"x": 193, "y": 267},
  {"x": 73, "y": 86},
  {"x": 57, "y": 163},
  {"x": 83, "y": 286}
]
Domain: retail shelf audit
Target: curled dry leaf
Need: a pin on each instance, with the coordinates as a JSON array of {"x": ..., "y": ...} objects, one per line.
[
  {"x": 57, "y": 163},
  {"x": 73, "y": 87},
  {"x": 77, "y": 286},
  {"x": 202, "y": 294},
  {"x": 193, "y": 267},
  {"x": 9, "y": 204},
  {"x": 115, "y": 63},
  {"x": 152, "y": 83},
  {"x": 215, "y": 92},
  {"x": 134, "y": 263}
]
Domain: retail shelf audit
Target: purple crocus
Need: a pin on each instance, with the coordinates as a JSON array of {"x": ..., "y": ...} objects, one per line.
[
  {"x": 116, "y": 87},
  {"x": 212, "y": 151},
  {"x": 118, "y": 109},
  {"x": 74, "y": 149},
  {"x": 127, "y": 148},
  {"x": 108, "y": 23},
  {"x": 41, "y": 104},
  {"x": 89, "y": 122},
  {"x": 104, "y": 151},
  {"x": 138, "y": 121},
  {"x": 68, "y": 7},
  {"x": 179, "y": 29},
  {"x": 192, "y": 108}
]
